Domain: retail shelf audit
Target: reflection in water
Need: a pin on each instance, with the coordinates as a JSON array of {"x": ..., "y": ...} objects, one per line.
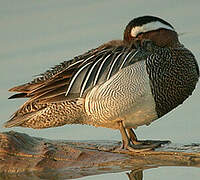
[
  {"x": 37, "y": 158},
  {"x": 135, "y": 175}
]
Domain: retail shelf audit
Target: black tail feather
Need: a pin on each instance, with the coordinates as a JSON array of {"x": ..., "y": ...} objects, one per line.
[{"x": 20, "y": 95}]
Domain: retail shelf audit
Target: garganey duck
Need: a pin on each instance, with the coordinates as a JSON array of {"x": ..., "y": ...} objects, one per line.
[{"x": 121, "y": 84}]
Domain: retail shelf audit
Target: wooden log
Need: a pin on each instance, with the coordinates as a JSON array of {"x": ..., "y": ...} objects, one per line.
[{"x": 26, "y": 157}]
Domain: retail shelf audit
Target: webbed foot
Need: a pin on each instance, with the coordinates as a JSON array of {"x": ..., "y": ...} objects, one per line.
[
  {"x": 131, "y": 143},
  {"x": 144, "y": 143}
]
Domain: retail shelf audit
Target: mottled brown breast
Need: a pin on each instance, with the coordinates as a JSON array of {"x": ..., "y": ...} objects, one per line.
[{"x": 173, "y": 74}]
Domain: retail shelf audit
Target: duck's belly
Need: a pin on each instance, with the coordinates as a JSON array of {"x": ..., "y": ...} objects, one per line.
[
  {"x": 142, "y": 113},
  {"x": 125, "y": 97}
]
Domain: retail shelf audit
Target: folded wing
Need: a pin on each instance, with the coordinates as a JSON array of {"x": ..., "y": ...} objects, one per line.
[{"x": 72, "y": 79}]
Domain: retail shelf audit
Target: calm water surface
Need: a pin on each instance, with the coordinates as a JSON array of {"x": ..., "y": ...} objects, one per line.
[{"x": 35, "y": 36}]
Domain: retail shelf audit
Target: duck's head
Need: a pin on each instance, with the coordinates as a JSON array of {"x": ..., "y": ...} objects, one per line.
[{"x": 152, "y": 28}]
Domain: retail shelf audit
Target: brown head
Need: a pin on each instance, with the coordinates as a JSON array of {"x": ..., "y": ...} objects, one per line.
[{"x": 152, "y": 28}]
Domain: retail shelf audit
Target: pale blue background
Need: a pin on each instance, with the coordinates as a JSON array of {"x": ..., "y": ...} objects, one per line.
[{"x": 35, "y": 35}]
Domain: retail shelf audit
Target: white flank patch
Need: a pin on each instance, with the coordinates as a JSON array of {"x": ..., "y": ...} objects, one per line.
[{"x": 149, "y": 27}]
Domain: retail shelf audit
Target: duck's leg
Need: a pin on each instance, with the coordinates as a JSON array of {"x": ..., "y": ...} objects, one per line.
[
  {"x": 146, "y": 143},
  {"x": 132, "y": 136},
  {"x": 126, "y": 141}
]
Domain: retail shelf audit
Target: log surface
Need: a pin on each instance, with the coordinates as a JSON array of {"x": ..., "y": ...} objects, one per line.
[{"x": 26, "y": 157}]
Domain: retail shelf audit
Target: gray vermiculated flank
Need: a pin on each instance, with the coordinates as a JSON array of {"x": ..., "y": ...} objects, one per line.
[{"x": 125, "y": 96}]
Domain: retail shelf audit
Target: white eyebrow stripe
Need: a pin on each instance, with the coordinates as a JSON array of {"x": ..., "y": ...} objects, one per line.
[{"x": 149, "y": 27}]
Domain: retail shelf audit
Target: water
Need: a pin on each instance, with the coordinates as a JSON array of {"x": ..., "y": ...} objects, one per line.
[{"x": 37, "y": 35}]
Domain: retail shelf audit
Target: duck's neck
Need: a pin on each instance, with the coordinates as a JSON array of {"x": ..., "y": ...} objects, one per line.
[{"x": 161, "y": 37}]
